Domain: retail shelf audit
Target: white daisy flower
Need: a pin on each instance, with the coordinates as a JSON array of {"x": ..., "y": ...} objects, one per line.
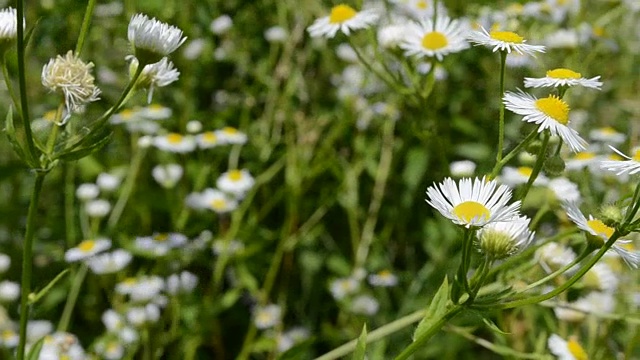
[
  {"x": 87, "y": 191},
  {"x": 601, "y": 277},
  {"x": 141, "y": 315},
  {"x": 194, "y": 126},
  {"x": 504, "y": 41},
  {"x": 236, "y": 182},
  {"x": 9, "y": 291},
  {"x": 629, "y": 166},
  {"x": 175, "y": 143},
  {"x": 365, "y": 305},
  {"x": 581, "y": 160},
  {"x": 141, "y": 289},
  {"x": 383, "y": 278},
  {"x": 267, "y": 316},
  {"x": 155, "y": 112},
  {"x": 153, "y": 36},
  {"x": 110, "y": 349},
  {"x": 183, "y": 282},
  {"x": 212, "y": 199},
  {"x": 512, "y": 176},
  {"x": 501, "y": 239},
  {"x": 566, "y": 350},
  {"x": 160, "y": 243},
  {"x": 8, "y": 24},
  {"x": 563, "y": 77},
  {"x": 37, "y": 329},
  {"x": 343, "y": 18},
  {"x": 343, "y": 287},
  {"x": 550, "y": 113},
  {"x": 109, "y": 263},
  {"x": 474, "y": 202},
  {"x": 87, "y": 249},
  {"x": 167, "y": 175},
  {"x": 108, "y": 182},
  {"x": 565, "y": 190},
  {"x": 607, "y": 134},
  {"x": 208, "y": 140},
  {"x": 62, "y": 345},
  {"x": 596, "y": 302},
  {"x": 230, "y": 135},
  {"x": 97, "y": 208},
  {"x": 5, "y": 263},
  {"x": 462, "y": 168},
  {"x": 291, "y": 337},
  {"x": 125, "y": 116},
  {"x": 553, "y": 256},
  {"x": 598, "y": 230},
  {"x": 437, "y": 40},
  {"x": 392, "y": 35},
  {"x": 221, "y": 24},
  {"x": 276, "y": 34}
]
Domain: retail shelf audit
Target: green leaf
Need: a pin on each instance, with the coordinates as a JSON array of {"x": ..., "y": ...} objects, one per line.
[
  {"x": 491, "y": 325},
  {"x": 36, "y": 297},
  {"x": 34, "y": 353},
  {"x": 10, "y": 130},
  {"x": 361, "y": 346},
  {"x": 82, "y": 152},
  {"x": 436, "y": 310}
]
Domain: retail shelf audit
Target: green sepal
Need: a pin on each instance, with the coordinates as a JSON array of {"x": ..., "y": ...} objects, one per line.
[{"x": 361, "y": 346}]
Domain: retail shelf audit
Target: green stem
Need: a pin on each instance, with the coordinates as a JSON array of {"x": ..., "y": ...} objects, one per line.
[
  {"x": 503, "y": 61},
  {"x": 24, "y": 115},
  {"x": 537, "y": 167},
  {"x": 500, "y": 164},
  {"x": 76, "y": 285},
  {"x": 467, "y": 246},
  {"x": 479, "y": 280},
  {"x": 382, "y": 175},
  {"x": 577, "y": 276},
  {"x": 560, "y": 271},
  {"x": 375, "y": 335},
  {"x": 392, "y": 84},
  {"x": 27, "y": 259},
  {"x": 127, "y": 188},
  {"x": 7, "y": 80},
  {"x": 424, "y": 338},
  {"x": 84, "y": 30},
  {"x": 636, "y": 205}
]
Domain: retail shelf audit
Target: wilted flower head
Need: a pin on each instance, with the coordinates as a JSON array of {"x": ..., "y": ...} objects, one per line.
[
  {"x": 152, "y": 39},
  {"x": 159, "y": 74},
  {"x": 73, "y": 78}
]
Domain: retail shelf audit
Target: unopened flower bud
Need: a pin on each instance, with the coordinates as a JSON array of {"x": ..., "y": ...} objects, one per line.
[{"x": 554, "y": 165}]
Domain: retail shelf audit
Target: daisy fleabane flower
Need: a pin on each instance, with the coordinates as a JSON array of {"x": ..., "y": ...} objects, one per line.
[
  {"x": 550, "y": 113},
  {"x": 474, "y": 202},
  {"x": 599, "y": 230},
  {"x": 153, "y": 39},
  {"x": 566, "y": 350},
  {"x": 344, "y": 18},
  {"x": 155, "y": 75},
  {"x": 504, "y": 41},
  {"x": 629, "y": 166},
  {"x": 438, "y": 39},
  {"x": 563, "y": 77},
  {"x": 502, "y": 239},
  {"x": 71, "y": 76}
]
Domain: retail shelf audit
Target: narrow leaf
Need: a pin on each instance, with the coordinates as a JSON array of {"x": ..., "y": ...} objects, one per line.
[
  {"x": 34, "y": 352},
  {"x": 491, "y": 325},
  {"x": 10, "y": 130},
  {"x": 437, "y": 309},
  {"x": 361, "y": 346},
  {"x": 35, "y": 298}
]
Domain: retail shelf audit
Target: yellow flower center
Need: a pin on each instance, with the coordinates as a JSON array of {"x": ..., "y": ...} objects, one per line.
[
  {"x": 86, "y": 245},
  {"x": 235, "y": 175},
  {"x": 555, "y": 108},
  {"x": 50, "y": 115},
  {"x": 341, "y": 13},
  {"x": 614, "y": 157},
  {"x": 209, "y": 137},
  {"x": 598, "y": 31},
  {"x": 130, "y": 281},
  {"x": 636, "y": 155},
  {"x": 608, "y": 130},
  {"x": 126, "y": 114},
  {"x": 161, "y": 237},
  {"x": 576, "y": 350},
  {"x": 422, "y": 5},
  {"x": 434, "y": 40},
  {"x": 562, "y": 73},
  {"x": 155, "y": 107},
  {"x": 507, "y": 36},
  {"x": 218, "y": 204},
  {"x": 230, "y": 130},
  {"x": 584, "y": 155},
  {"x": 600, "y": 228},
  {"x": 174, "y": 138},
  {"x": 470, "y": 210},
  {"x": 525, "y": 170},
  {"x": 7, "y": 334}
]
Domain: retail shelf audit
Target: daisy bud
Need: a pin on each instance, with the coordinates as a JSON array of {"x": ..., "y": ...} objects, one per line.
[
  {"x": 8, "y": 28},
  {"x": 503, "y": 239},
  {"x": 554, "y": 165},
  {"x": 611, "y": 215}
]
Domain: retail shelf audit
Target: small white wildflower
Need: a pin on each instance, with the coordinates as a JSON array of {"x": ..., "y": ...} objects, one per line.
[
  {"x": 109, "y": 263},
  {"x": 87, "y": 191},
  {"x": 236, "y": 182},
  {"x": 365, "y": 305},
  {"x": 342, "y": 18},
  {"x": 267, "y": 316},
  {"x": 153, "y": 39},
  {"x": 97, "y": 208},
  {"x": 87, "y": 249},
  {"x": 221, "y": 24},
  {"x": 9, "y": 291},
  {"x": 276, "y": 34},
  {"x": 167, "y": 175}
]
